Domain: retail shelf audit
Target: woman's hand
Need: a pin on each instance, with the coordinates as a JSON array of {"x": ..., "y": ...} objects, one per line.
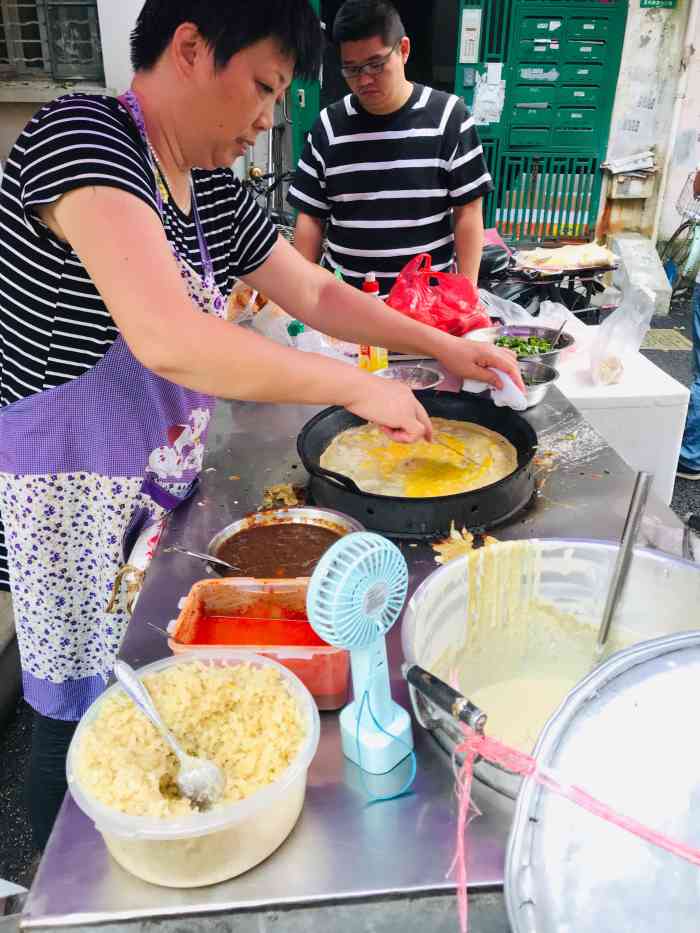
[
  {"x": 393, "y": 407},
  {"x": 473, "y": 359}
]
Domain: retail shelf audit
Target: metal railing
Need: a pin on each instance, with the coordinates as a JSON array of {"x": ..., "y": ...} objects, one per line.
[{"x": 546, "y": 197}]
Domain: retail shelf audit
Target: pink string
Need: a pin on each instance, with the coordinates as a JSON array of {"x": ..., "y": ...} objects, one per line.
[
  {"x": 496, "y": 752},
  {"x": 464, "y": 776}
]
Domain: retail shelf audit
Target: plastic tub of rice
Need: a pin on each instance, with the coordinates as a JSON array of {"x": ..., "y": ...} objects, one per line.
[{"x": 250, "y": 715}]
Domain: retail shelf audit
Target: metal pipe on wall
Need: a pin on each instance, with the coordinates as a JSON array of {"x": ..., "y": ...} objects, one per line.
[{"x": 688, "y": 52}]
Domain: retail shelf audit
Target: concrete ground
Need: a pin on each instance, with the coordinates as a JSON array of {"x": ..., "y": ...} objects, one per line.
[{"x": 16, "y": 855}]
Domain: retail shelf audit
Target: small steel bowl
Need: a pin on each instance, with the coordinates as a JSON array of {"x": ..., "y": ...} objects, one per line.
[
  {"x": 541, "y": 376},
  {"x": 491, "y": 335},
  {"x": 415, "y": 377}
]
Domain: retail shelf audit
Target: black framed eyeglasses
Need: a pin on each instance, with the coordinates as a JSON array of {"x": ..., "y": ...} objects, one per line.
[{"x": 375, "y": 67}]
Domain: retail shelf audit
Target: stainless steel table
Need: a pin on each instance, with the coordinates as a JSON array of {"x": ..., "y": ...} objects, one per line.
[{"x": 343, "y": 852}]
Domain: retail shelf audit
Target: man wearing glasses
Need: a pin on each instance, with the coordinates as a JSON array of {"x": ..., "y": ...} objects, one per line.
[{"x": 393, "y": 169}]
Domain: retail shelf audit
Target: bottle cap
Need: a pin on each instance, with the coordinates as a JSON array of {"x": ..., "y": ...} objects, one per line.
[{"x": 370, "y": 284}]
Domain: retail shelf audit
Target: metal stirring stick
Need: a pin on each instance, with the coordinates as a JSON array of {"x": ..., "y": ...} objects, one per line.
[
  {"x": 558, "y": 334},
  {"x": 207, "y": 557},
  {"x": 465, "y": 458},
  {"x": 624, "y": 555}
]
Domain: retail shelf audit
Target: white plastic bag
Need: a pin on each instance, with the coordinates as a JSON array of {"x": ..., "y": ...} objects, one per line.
[
  {"x": 508, "y": 311},
  {"x": 272, "y": 322},
  {"x": 243, "y": 303},
  {"x": 620, "y": 334}
]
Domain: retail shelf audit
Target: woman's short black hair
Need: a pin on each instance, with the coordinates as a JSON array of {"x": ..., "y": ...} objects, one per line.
[
  {"x": 363, "y": 19},
  {"x": 229, "y": 27}
]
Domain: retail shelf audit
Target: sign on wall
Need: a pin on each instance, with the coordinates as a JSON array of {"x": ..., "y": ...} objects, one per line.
[{"x": 659, "y": 4}]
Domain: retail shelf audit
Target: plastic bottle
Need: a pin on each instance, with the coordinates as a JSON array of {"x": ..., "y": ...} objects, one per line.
[
  {"x": 294, "y": 330},
  {"x": 372, "y": 358}
]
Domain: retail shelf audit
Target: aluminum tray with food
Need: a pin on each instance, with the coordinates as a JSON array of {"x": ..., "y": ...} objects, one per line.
[
  {"x": 529, "y": 342},
  {"x": 571, "y": 259}
]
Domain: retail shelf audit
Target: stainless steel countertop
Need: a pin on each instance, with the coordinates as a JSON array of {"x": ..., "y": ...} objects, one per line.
[{"x": 342, "y": 849}]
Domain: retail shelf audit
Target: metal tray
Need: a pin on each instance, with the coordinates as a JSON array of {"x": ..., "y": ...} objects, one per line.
[{"x": 625, "y": 735}]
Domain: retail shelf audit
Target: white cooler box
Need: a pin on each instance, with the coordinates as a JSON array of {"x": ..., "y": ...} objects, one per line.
[{"x": 642, "y": 418}]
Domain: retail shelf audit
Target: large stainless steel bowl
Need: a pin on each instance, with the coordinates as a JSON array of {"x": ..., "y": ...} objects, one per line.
[
  {"x": 661, "y": 598},
  {"x": 491, "y": 335}
]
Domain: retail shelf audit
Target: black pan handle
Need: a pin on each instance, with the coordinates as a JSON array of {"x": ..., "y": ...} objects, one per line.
[
  {"x": 336, "y": 477},
  {"x": 444, "y": 696}
]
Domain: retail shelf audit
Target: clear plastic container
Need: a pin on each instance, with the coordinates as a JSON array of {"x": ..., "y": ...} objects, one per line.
[
  {"x": 323, "y": 669},
  {"x": 214, "y": 845}
]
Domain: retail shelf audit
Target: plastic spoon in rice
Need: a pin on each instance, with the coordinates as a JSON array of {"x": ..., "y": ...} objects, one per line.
[{"x": 200, "y": 780}]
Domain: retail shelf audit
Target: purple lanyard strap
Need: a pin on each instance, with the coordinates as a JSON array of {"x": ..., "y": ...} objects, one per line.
[{"x": 130, "y": 101}]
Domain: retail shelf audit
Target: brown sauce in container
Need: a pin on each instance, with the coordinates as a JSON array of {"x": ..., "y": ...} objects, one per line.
[{"x": 279, "y": 551}]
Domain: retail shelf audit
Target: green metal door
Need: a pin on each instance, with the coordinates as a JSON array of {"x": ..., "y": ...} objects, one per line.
[
  {"x": 540, "y": 78},
  {"x": 305, "y": 106}
]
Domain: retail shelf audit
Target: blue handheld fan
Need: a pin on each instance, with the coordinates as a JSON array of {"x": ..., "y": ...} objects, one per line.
[{"x": 355, "y": 595}]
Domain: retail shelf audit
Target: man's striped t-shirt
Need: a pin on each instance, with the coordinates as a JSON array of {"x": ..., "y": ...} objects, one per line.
[
  {"x": 54, "y": 325},
  {"x": 387, "y": 184}
]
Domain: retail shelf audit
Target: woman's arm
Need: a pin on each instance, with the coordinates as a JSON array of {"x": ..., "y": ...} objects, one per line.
[
  {"x": 312, "y": 294},
  {"x": 121, "y": 242}
]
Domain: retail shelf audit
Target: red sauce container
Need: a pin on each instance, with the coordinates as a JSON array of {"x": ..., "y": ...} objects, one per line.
[{"x": 267, "y": 617}]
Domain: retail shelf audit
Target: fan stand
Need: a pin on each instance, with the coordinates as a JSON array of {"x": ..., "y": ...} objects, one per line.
[
  {"x": 371, "y": 749},
  {"x": 355, "y": 595}
]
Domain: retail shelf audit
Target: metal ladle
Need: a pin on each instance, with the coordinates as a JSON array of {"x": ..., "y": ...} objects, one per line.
[
  {"x": 558, "y": 334},
  {"x": 444, "y": 696},
  {"x": 624, "y": 556},
  {"x": 198, "y": 779},
  {"x": 207, "y": 557}
]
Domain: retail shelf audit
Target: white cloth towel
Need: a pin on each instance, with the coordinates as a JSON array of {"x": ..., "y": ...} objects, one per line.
[{"x": 510, "y": 396}]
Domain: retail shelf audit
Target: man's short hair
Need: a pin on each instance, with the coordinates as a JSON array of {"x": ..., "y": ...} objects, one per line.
[
  {"x": 364, "y": 19},
  {"x": 229, "y": 28}
]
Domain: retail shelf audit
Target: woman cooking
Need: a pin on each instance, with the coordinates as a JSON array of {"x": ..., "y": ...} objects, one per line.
[{"x": 117, "y": 256}]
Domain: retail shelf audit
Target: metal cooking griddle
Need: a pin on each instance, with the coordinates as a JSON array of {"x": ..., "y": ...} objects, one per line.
[{"x": 401, "y": 517}]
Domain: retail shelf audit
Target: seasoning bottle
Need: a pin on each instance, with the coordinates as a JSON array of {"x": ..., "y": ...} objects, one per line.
[{"x": 372, "y": 358}]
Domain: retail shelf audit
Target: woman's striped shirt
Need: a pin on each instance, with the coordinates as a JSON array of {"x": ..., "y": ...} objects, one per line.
[{"x": 54, "y": 325}]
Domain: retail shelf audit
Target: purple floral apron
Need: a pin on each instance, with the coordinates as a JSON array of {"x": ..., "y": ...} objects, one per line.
[{"x": 88, "y": 472}]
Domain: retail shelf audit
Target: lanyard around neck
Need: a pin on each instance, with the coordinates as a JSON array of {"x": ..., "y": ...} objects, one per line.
[{"x": 130, "y": 101}]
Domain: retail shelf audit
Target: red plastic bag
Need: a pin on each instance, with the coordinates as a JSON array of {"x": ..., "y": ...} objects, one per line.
[{"x": 441, "y": 299}]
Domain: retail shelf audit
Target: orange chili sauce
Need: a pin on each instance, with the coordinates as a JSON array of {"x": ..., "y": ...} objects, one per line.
[{"x": 264, "y": 623}]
